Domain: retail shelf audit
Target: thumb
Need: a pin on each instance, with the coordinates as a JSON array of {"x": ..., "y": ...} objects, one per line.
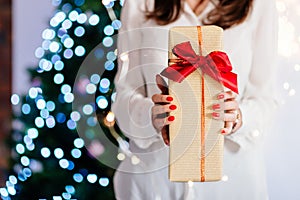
[{"x": 162, "y": 85}]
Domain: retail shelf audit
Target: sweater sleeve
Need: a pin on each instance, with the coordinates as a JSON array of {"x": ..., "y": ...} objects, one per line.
[
  {"x": 258, "y": 101},
  {"x": 132, "y": 106}
]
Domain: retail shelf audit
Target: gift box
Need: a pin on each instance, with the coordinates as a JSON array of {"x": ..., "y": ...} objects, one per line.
[{"x": 198, "y": 71}]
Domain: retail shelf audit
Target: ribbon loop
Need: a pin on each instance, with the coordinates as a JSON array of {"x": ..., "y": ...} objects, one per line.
[{"x": 216, "y": 64}]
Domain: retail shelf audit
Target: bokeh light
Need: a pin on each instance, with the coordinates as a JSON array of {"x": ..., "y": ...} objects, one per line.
[
  {"x": 92, "y": 178},
  {"x": 103, "y": 181},
  {"x": 15, "y": 99},
  {"x": 79, "y": 31},
  {"x": 78, "y": 177},
  {"x": 58, "y": 153},
  {"x": 94, "y": 20},
  {"x": 45, "y": 152},
  {"x": 102, "y": 102}
]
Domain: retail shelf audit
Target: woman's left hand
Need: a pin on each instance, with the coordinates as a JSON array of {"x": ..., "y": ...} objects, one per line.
[{"x": 228, "y": 110}]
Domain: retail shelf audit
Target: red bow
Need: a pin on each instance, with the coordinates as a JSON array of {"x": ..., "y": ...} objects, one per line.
[{"x": 216, "y": 65}]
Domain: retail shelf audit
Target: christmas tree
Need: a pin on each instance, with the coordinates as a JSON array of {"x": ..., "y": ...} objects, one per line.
[{"x": 60, "y": 148}]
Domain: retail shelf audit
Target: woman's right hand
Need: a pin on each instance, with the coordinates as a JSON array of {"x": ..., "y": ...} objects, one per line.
[{"x": 160, "y": 111}]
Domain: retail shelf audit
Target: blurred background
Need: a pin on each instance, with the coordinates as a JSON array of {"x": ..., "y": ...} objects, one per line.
[{"x": 42, "y": 46}]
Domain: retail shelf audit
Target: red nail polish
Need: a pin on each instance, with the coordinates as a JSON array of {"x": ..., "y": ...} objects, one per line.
[
  {"x": 169, "y": 98},
  {"x": 216, "y": 106},
  {"x": 171, "y": 118},
  {"x": 214, "y": 114},
  {"x": 221, "y": 96},
  {"x": 223, "y": 132},
  {"x": 172, "y": 107}
]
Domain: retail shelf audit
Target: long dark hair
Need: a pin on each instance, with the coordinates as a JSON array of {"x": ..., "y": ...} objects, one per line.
[{"x": 225, "y": 14}]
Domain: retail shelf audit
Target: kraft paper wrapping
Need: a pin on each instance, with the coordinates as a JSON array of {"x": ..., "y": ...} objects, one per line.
[{"x": 196, "y": 145}]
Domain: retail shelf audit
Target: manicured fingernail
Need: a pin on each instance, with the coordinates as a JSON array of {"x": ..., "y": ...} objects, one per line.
[
  {"x": 214, "y": 114},
  {"x": 169, "y": 98},
  {"x": 172, "y": 107},
  {"x": 216, "y": 106},
  {"x": 221, "y": 96},
  {"x": 223, "y": 132},
  {"x": 171, "y": 118}
]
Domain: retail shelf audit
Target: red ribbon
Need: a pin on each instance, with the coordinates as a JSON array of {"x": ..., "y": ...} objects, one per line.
[{"x": 216, "y": 65}]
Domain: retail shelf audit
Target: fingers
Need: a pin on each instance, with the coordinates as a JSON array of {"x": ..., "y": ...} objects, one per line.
[
  {"x": 226, "y": 106},
  {"x": 226, "y": 111},
  {"x": 227, "y": 95},
  {"x": 227, "y": 128},
  {"x": 161, "y": 122},
  {"x": 160, "y": 109},
  {"x": 160, "y": 98},
  {"x": 227, "y": 117}
]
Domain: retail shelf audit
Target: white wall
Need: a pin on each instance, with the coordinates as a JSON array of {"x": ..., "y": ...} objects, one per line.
[{"x": 30, "y": 18}]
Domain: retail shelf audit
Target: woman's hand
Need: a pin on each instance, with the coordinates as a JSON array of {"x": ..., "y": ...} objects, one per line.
[
  {"x": 228, "y": 110},
  {"x": 160, "y": 111}
]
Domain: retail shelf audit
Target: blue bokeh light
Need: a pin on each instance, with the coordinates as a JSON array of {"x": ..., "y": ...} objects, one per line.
[
  {"x": 26, "y": 109},
  {"x": 79, "y": 143},
  {"x": 92, "y": 178},
  {"x": 15, "y": 99},
  {"x": 107, "y": 41},
  {"x": 59, "y": 65},
  {"x": 64, "y": 163},
  {"x": 58, "y": 153},
  {"x": 44, "y": 113},
  {"x": 50, "y": 122},
  {"x": 45, "y": 152},
  {"x": 68, "y": 53},
  {"x": 20, "y": 148},
  {"x": 70, "y": 189},
  {"x": 50, "y": 105},
  {"x": 108, "y": 30},
  {"x": 79, "y": 2},
  {"x": 102, "y": 102},
  {"x": 91, "y": 121},
  {"x": 111, "y": 56},
  {"x": 79, "y": 51},
  {"x": 78, "y": 177},
  {"x": 25, "y": 161},
  {"x": 39, "y": 122},
  {"x": 73, "y": 15},
  {"x": 71, "y": 165},
  {"x": 116, "y": 24},
  {"x": 79, "y": 31},
  {"x": 104, "y": 181},
  {"x": 81, "y": 19},
  {"x": 27, "y": 172},
  {"x": 58, "y": 78},
  {"x": 67, "y": 24},
  {"x": 99, "y": 53},
  {"x": 94, "y": 20},
  {"x": 68, "y": 42},
  {"x": 95, "y": 78},
  {"x": 55, "y": 58},
  {"x": 71, "y": 124},
  {"x": 65, "y": 89},
  {"x": 76, "y": 153},
  {"x": 32, "y": 133},
  {"x": 109, "y": 65},
  {"x": 60, "y": 117},
  {"x": 39, "y": 52},
  {"x": 61, "y": 32}
]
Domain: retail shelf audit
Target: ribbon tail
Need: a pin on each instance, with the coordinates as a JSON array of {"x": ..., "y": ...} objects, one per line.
[
  {"x": 229, "y": 80},
  {"x": 177, "y": 73}
]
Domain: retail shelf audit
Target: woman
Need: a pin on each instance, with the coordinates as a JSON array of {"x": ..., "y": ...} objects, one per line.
[{"x": 250, "y": 42}]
